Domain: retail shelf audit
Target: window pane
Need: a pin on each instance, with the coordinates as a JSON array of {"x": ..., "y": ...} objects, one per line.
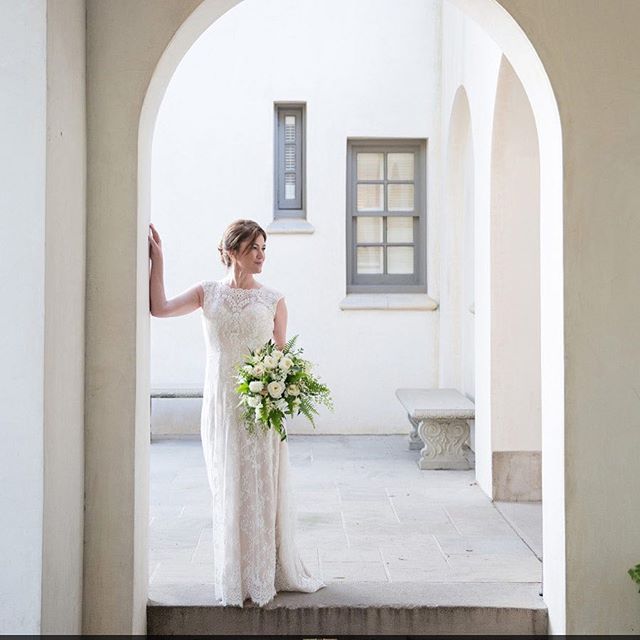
[
  {"x": 400, "y": 166},
  {"x": 399, "y": 229},
  {"x": 370, "y": 197},
  {"x": 289, "y": 129},
  {"x": 400, "y": 260},
  {"x": 370, "y": 166},
  {"x": 290, "y": 186},
  {"x": 368, "y": 229},
  {"x": 369, "y": 260},
  {"x": 400, "y": 197}
]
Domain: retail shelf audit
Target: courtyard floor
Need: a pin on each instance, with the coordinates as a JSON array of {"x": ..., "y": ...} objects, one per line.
[{"x": 366, "y": 513}]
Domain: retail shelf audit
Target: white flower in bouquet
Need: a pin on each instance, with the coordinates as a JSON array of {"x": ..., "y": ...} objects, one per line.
[
  {"x": 277, "y": 354},
  {"x": 254, "y": 401},
  {"x": 285, "y": 363},
  {"x": 293, "y": 390},
  {"x": 259, "y": 370},
  {"x": 275, "y": 388},
  {"x": 248, "y": 368},
  {"x": 281, "y": 405},
  {"x": 256, "y": 386},
  {"x": 269, "y": 362}
]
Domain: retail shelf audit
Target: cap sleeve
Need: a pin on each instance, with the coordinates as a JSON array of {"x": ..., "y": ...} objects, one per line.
[
  {"x": 274, "y": 297},
  {"x": 207, "y": 288}
]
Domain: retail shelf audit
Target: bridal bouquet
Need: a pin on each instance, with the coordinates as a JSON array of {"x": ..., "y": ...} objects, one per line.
[{"x": 274, "y": 383}]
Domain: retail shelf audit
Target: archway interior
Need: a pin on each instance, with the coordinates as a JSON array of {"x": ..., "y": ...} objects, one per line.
[{"x": 536, "y": 86}]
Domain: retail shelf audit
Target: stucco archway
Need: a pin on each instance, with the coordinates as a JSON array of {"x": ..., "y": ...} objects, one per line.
[{"x": 529, "y": 69}]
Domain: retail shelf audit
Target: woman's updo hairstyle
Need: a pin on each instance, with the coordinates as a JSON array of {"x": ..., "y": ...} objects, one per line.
[{"x": 235, "y": 234}]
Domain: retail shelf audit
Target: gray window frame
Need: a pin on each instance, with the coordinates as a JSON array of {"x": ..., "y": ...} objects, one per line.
[
  {"x": 388, "y": 283},
  {"x": 281, "y": 207}
]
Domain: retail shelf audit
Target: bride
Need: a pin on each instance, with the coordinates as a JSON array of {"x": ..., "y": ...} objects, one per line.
[{"x": 254, "y": 520}]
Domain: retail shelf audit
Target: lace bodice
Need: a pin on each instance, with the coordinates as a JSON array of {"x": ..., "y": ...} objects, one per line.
[{"x": 237, "y": 320}]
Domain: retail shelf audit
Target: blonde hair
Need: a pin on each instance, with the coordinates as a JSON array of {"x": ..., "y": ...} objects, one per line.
[{"x": 235, "y": 234}]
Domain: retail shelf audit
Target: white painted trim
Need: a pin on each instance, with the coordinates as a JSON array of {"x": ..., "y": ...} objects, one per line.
[
  {"x": 388, "y": 302},
  {"x": 290, "y": 225}
]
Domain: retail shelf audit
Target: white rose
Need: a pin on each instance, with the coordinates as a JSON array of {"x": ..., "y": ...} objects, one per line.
[
  {"x": 255, "y": 386},
  {"x": 293, "y": 390},
  {"x": 275, "y": 388},
  {"x": 258, "y": 370},
  {"x": 286, "y": 363},
  {"x": 277, "y": 354},
  {"x": 248, "y": 368},
  {"x": 269, "y": 362},
  {"x": 254, "y": 401}
]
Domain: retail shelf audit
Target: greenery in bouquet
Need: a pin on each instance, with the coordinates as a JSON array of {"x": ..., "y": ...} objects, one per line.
[{"x": 274, "y": 383}]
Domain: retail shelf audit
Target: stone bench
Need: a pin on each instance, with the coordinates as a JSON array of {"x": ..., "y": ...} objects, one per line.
[
  {"x": 440, "y": 428},
  {"x": 176, "y": 392}
]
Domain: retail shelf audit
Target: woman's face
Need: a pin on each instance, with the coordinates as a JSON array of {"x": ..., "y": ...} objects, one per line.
[{"x": 251, "y": 255}]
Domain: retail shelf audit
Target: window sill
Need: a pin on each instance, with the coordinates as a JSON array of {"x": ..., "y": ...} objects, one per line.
[
  {"x": 388, "y": 302},
  {"x": 290, "y": 225}
]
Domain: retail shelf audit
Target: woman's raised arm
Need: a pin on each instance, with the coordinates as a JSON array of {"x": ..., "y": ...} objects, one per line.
[{"x": 159, "y": 306}]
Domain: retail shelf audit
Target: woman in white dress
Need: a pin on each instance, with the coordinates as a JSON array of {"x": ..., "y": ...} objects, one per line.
[{"x": 254, "y": 520}]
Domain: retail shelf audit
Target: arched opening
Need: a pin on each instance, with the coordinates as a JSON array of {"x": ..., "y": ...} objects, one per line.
[
  {"x": 457, "y": 254},
  {"x": 535, "y": 82},
  {"x": 515, "y": 294}
]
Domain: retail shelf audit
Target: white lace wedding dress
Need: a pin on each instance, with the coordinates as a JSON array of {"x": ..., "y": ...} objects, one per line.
[{"x": 254, "y": 517}]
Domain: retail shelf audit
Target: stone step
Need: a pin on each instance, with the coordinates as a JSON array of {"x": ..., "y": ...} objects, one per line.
[{"x": 406, "y": 608}]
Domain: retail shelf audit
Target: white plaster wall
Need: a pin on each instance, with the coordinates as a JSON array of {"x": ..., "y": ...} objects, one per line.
[
  {"x": 22, "y": 260},
  {"x": 365, "y": 69},
  {"x": 470, "y": 58}
]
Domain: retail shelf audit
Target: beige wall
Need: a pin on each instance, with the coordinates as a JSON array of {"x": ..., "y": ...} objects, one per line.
[
  {"x": 125, "y": 40},
  {"x": 64, "y": 319},
  {"x": 589, "y": 52}
]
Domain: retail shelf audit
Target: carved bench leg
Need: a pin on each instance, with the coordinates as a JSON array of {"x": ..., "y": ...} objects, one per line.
[
  {"x": 414, "y": 438},
  {"x": 443, "y": 443}
]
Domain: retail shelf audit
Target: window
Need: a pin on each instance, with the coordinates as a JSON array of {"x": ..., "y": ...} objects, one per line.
[
  {"x": 386, "y": 205},
  {"x": 289, "y": 161}
]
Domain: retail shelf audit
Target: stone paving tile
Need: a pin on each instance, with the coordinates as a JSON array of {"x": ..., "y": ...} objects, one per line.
[
  {"x": 478, "y": 520},
  {"x": 495, "y": 568},
  {"x": 365, "y": 513},
  {"x": 354, "y": 572},
  {"x": 497, "y": 545},
  {"x": 175, "y": 571},
  {"x": 526, "y": 519},
  {"x": 368, "y": 553}
]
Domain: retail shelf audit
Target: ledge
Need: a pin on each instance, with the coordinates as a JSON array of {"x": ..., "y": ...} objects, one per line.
[
  {"x": 388, "y": 302},
  {"x": 290, "y": 225}
]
